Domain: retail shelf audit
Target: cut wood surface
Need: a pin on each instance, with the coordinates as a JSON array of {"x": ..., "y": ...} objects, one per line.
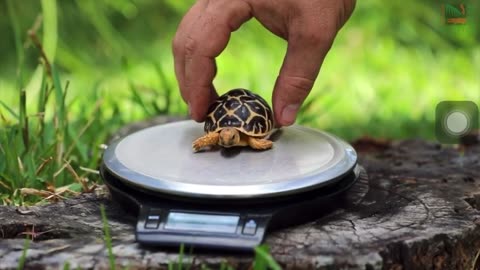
[{"x": 420, "y": 212}]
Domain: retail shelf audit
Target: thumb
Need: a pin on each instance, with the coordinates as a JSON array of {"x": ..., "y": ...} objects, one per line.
[{"x": 305, "y": 54}]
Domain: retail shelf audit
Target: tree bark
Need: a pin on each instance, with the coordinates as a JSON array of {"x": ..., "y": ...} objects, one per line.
[{"x": 421, "y": 211}]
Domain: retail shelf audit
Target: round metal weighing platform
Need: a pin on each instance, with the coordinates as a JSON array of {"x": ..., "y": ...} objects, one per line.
[{"x": 225, "y": 198}]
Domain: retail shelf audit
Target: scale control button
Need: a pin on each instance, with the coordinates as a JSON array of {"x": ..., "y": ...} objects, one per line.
[
  {"x": 152, "y": 221},
  {"x": 250, "y": 227}
]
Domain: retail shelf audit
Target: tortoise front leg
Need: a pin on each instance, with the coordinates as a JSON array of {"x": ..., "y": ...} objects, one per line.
[
  {"x": 204, "y": 141},
  {"x": 259, "y": 144}
]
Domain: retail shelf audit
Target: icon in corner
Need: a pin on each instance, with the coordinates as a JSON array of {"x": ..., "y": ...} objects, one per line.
[
  {"x": 454, "y": 13},
  {"x": 454, "y": 120}
]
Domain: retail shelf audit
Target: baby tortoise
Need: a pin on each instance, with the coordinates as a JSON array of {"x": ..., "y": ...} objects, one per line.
[{"x": 237, "y": 118}]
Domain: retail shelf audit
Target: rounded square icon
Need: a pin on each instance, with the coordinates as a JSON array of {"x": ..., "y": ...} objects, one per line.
[{"x": 455, "y": 119}]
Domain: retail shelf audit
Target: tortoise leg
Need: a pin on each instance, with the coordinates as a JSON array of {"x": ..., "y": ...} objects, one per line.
[
  {"x": 259, "y": 144},
  {"x": 206, "y": 140}
]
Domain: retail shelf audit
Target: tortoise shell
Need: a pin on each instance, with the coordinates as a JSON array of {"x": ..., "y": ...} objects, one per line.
[{"x": 241, "y": 109}]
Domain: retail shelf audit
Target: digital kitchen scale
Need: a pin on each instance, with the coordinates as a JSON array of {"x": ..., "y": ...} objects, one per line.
[{"x": 226, "y": 198}]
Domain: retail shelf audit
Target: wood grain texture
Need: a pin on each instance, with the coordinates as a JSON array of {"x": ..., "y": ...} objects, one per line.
[{"x": 420, "y": 212}]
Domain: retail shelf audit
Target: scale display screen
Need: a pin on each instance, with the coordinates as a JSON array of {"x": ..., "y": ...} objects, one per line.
[{"x": 202, "y": 222}]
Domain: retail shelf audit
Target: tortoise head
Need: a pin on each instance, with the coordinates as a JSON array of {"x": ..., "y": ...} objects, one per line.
[{"x": 229, "y": 137}]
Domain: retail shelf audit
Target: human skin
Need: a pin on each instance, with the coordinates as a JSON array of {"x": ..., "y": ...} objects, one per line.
[{"x": 309, "y": 27}]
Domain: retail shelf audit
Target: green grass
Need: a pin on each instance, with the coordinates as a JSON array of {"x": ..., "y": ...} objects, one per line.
[
  {"x": 107, "y": 63},
  {"x": 263, "y": 259},
  {"x": 107, "y": 238},
  {"x": 23, "y": 258},
  {"x": 99, "y": 65}
]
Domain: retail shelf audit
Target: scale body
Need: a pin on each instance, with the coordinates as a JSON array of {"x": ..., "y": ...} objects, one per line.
[{"x": 225, "y": 198}]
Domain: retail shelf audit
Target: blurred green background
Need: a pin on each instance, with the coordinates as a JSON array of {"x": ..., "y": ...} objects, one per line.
[{"x": 389, "y": 67}]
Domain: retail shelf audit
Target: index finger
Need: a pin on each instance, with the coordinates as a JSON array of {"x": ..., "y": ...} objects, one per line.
[{"x": 202, "y": 41}]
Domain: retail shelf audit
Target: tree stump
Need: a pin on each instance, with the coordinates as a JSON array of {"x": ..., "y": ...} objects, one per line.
[{"x": 421, "y": 211}]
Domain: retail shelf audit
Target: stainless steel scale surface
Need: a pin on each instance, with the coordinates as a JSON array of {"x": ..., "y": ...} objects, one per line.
[{"x": 225, "y": 198}]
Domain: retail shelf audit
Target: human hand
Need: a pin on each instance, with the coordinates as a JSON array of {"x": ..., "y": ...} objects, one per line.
[{"x": 309, "y": 26}]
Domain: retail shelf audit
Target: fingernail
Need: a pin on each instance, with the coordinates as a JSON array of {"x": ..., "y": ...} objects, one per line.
[
  {"x": 289, "y": 114},
  {"x": 189, "y": 109}
]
